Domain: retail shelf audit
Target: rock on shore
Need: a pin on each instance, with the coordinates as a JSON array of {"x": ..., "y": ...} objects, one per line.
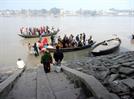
[{"x": 114, "y": 71}]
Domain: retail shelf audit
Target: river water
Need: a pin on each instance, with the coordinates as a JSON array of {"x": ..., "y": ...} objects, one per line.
[{"x": 13, "y": 47}]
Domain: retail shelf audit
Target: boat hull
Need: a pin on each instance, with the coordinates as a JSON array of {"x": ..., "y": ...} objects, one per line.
[
  {"x": 107, "y": 51},
  {"x": 35, "y": 36},
  {"x": 72, "y": 49}
]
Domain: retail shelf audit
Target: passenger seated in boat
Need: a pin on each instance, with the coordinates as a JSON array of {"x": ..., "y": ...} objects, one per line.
[
  {"x": 73, "y": 43},
  {"x": 65, "y": 42},
  {"x": 90, "y": 40},
  {"x": 80, "y": 44}
]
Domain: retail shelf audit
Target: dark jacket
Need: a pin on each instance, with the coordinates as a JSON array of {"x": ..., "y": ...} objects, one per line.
[
  {"x": 58, "y": 55},
  {"x": 46, "y": 58}
]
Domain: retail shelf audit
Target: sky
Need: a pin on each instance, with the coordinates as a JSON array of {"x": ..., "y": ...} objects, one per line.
[{"x": 66, "y": 4}]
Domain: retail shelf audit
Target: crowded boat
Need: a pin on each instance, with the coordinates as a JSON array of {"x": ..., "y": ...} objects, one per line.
[
  {"x": 66, "y": 44},
  {"x": 28, "y": 32}
]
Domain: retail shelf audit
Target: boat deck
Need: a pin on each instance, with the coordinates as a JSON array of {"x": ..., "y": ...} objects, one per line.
[{"x": 108, "y": 46}]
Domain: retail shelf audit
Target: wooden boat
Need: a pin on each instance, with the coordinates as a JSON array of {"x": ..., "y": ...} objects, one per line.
[
  {"x": 72, "y": 49},
  {"x": 35, "y": 36},
  {"x": 106, "y": 47}
]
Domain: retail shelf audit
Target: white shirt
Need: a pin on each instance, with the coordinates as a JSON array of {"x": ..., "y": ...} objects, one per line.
[{"x": 20, "y": 64}]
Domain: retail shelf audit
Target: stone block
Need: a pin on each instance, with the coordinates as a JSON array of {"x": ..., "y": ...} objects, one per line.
[
  {"x": 129, "y": 82},
  {"x": 126, "y": 70},
  {"x": 113, "y": 77}
]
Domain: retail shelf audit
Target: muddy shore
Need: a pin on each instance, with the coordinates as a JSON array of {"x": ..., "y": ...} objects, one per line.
[{"x": 114, "y": 71}]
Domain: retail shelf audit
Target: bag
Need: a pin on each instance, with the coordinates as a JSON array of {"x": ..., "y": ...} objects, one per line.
[{"x": 58, "y": 69}]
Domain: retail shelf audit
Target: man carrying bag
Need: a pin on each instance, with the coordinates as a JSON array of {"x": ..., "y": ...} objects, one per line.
[{"x": 58, "y": 56}]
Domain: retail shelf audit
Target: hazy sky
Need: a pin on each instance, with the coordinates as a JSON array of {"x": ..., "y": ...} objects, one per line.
[{"x": 67, "y": 4}]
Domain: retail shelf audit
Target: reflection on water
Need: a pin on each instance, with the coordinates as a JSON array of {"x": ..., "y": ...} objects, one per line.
[
  {"x": 76, "y": 54},
  {"x": 32, "y": 61}
]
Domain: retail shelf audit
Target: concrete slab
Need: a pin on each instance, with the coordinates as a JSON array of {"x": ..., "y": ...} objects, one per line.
[
  {"x": 7, "y": 85},
  {"x": 56, "y": 83},
  {"x": 65, "y": 94},
  {"x": 126, "y": 70},
  {"x": 44, "y": 90},
  {"x": 95, "y": 87},
  {"x": 129, "y": 82},
  {"x": 25, "y": 87},
  {"x": 36, "y": 84}
]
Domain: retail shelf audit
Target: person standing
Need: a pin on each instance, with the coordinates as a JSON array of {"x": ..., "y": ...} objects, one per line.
[
  {"x": 84, "y": 39},
  {"x": 58, "y": 55},
  {"x": 52, "y": 40},
  {"x": 81, "y": 37},
  {"x": 36, "y": 49},
  {"x": 77, "y": 38},
  {"x": 20, "y": 63},
  {"x": 46, "y": 59}
]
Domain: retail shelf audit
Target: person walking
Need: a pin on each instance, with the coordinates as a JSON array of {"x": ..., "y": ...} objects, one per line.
[
  {"x": 58, "y": 56},
  {"x": 46, "y": 59}
]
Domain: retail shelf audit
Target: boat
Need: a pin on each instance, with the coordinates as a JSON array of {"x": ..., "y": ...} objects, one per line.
[
  {"x": 72, "y": 48},
  {"x": 106, "y": 47},
  {"x": 35, "y": 36}
]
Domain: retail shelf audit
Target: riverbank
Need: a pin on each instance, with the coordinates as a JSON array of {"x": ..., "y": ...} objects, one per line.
[{"x": 114, "y": 71}]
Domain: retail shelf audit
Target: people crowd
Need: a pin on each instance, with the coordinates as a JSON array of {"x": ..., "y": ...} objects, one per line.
[
  {"x": 65, "y": 42},
  {"x": 46, "y": 59},
  {"x": 37, "y": 31},
  {"x": 71, "y": 41}
]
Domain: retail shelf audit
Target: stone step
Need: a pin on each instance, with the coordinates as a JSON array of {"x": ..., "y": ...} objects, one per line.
[
  {"x": 91, "y": 83},
  {"x": 55, "y": 85},
  {"x": 36, "y": 84},
  {"x": 44, "y": 90},
  {"x": 7, "y": 85},
  {"x": 25, "y": 87}
]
